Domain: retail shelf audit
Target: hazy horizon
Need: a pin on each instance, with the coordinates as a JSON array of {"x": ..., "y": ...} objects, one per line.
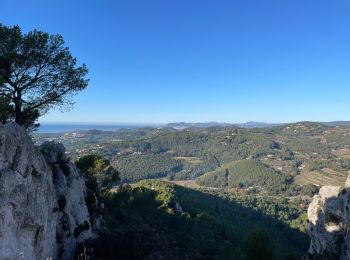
[
  {"x": 171, "y": 122},
  {"x": 62, "y": 127}
]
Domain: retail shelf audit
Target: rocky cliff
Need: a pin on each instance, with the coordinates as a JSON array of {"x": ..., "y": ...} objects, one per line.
[
  {"x": 43, "y": 213},
  {"x": 329, "y": 223}
]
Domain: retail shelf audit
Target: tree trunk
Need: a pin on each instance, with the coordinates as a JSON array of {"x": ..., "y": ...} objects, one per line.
[{"x": 18, "y": 108}]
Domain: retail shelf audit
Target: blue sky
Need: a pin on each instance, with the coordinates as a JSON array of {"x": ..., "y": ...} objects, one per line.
[{"x": 195, "y": 61}]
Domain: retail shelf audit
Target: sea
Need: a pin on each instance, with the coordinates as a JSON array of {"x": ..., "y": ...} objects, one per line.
[{"x": 60, "y": 128}]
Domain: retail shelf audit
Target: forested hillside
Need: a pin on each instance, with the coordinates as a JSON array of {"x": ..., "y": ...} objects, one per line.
[
  {"x": 304, "y": 153},
  {"x": 245, "y": 174},
  {"x": 159, "y": 220}
]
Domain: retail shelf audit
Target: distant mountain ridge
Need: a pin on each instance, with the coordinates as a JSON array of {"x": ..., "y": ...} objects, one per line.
[
  {"x": 336, "y": 123},
  {"x": 250, "y": 124},
  {"x": 253, "y": 124},
  {"x": 62, "y": 128},
  {"x": 184, "y": 125}
]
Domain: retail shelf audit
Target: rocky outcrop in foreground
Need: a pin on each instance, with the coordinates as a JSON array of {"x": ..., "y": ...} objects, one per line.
[
  {"x": 43, "y": 213},
  {"x": 329, "y": 223}
]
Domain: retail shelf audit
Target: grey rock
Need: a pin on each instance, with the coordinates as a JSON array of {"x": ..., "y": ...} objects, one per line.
[
  {"x": 329, "y": 223},
  {"x": 42, "y": 199}
]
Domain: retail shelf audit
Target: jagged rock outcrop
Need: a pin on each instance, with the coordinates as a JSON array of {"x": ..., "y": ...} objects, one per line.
[
  {"x": 42, "y": 199},
  {"x": 329, "y": 223}
]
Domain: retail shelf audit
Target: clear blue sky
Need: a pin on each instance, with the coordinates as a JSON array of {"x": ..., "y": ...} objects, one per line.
[{"x": 187, "y": 60}]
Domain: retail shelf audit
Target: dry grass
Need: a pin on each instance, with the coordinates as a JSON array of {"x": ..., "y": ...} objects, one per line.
[
  {"x": 187, "y": 183},
  {"x": 192, "y": 160},
  {"x": 342, "y": 153},
  {"x": 281, "y": 139}
]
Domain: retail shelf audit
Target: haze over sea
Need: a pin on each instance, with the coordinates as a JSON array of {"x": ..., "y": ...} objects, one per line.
[{"x": 71, "y": 127}]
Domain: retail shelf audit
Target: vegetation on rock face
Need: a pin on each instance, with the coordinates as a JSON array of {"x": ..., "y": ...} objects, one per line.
[
  {"x": 37, "y": 72},
  {"x": 99, "y": 176},
  {"x": 97, "y": 168}
]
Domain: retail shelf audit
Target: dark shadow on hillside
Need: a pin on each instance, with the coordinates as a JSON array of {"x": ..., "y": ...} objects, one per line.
[
  {"x": 165, "y": 221},
  {"x": 287, "y": 242}
]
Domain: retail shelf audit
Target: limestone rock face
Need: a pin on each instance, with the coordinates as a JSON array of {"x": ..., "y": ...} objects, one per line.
[
  {"x": 329, "y": 223},
  {"x": 42, "y": 199}
]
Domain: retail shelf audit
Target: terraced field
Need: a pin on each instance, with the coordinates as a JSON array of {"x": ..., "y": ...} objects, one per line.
[{"x": 322, "y": 178}]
